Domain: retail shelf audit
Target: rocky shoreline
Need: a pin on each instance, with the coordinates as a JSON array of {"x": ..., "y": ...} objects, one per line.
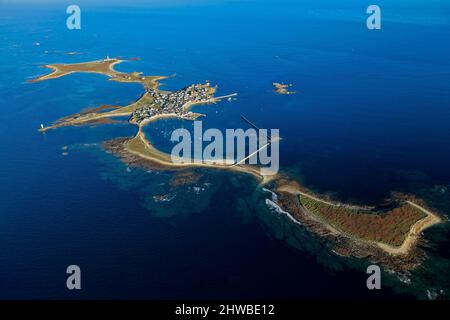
[
  {"x": 339, "y": 243},
  {"x": 346, "y": 246}
]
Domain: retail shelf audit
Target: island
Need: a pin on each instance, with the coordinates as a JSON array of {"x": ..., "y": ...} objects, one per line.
[
  {"x": 154, "y": 104},
  {"x": 282, "y": 88},
  {"x": 387, "y": 234},
  {"x": 104, "y": 66}
]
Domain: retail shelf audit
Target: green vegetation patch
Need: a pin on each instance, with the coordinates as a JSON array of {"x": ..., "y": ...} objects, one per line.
[{"x": 389, "y": 227}]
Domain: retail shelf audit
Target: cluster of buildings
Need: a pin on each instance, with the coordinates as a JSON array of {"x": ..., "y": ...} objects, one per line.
[{"x": 173, "y": 102}]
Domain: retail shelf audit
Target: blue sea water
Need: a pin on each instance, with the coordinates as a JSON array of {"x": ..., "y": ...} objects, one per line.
[{"x": 371, "y": 116}]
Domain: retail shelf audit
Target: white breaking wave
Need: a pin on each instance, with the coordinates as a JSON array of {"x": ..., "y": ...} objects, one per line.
[
  {"x": 274, "y": 195},
  {"x": 278, "y": 209}
]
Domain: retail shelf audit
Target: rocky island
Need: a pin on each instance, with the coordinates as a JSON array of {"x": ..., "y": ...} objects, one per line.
[
  {"x": 387, "y": 234},
  {"x": 282, "y": 88}
]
